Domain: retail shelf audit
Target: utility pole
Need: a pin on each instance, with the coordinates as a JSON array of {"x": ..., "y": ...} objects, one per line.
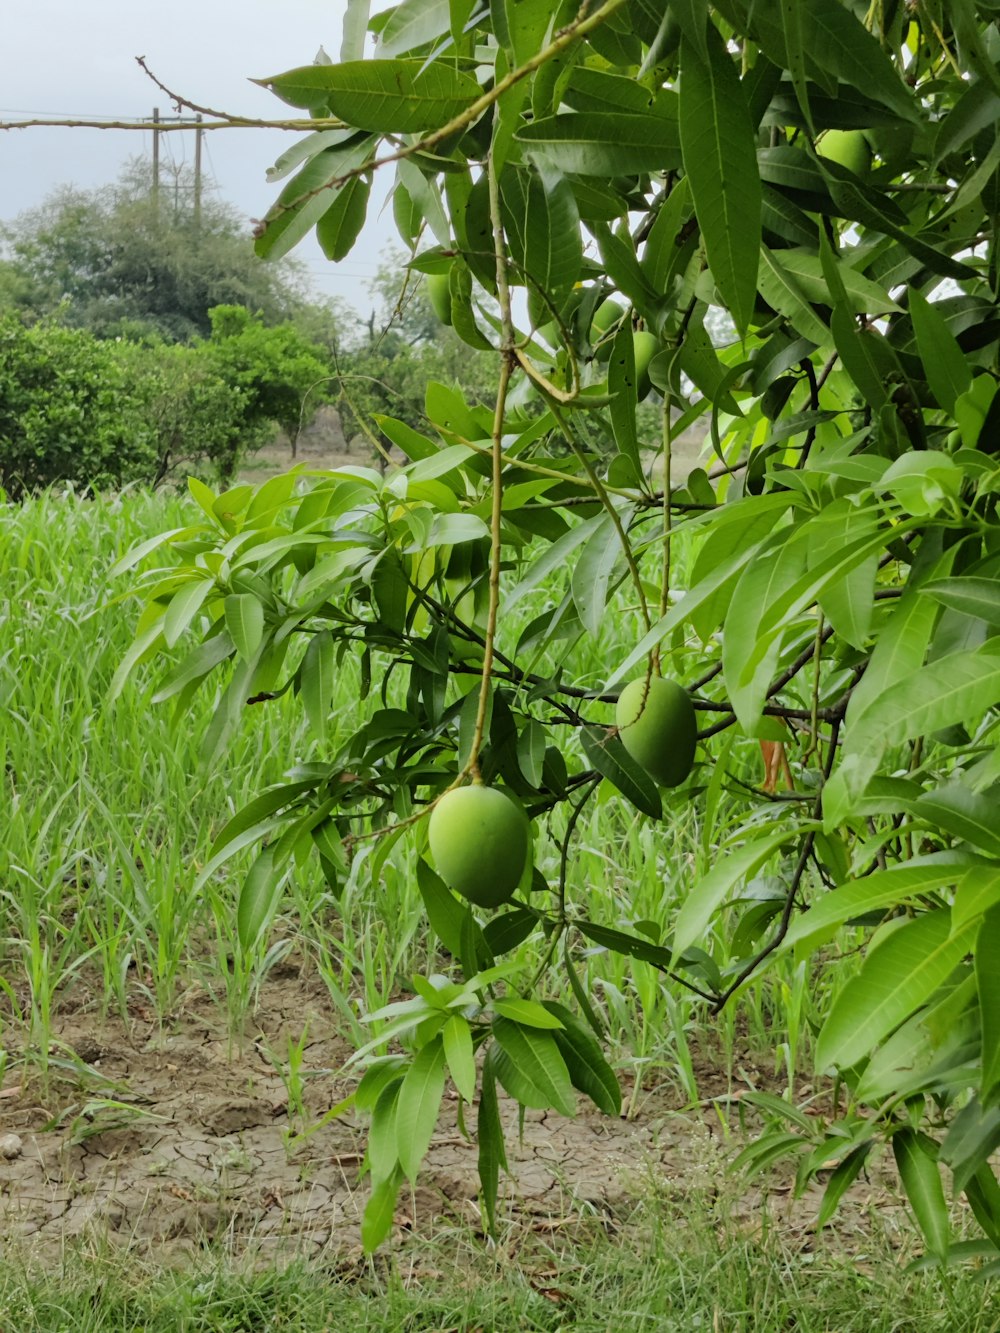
[
  {"x": 197, "y": 172},
  {"x": 156, "y": 157}
]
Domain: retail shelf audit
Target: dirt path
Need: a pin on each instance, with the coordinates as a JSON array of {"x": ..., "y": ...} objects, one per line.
[{"x": 175, "y": 1143}]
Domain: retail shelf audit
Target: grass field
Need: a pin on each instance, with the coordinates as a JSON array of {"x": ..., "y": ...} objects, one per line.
[{"x": 140, "y": 1062}]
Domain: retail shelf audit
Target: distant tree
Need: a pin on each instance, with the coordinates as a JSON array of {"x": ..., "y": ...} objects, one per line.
[
  {"x": 282, "y": 376},
  {"x": 118, "y": 262},
  {"x": 103, "y": 413}
]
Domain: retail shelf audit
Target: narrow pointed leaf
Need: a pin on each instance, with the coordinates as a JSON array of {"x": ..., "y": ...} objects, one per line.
[
  {"x": 457, "y": 1039},
  {"x": 418, "y": 1106},
  {"x": 720, "y": 161},
  {"x": 988, "y": 986},
  {"x": 921, "y": 1177},
  {"x": 896, "y": 978},
  {"x": 531, "y": 1068}
]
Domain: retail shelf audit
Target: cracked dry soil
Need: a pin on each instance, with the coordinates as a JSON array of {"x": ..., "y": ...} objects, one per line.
[{"x": 177, "y": 1140}]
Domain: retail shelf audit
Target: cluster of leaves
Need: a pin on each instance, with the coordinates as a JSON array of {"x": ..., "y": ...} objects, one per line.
[
  {"x": 843, "y": 596},
  {"x": 106, "y": 412}
]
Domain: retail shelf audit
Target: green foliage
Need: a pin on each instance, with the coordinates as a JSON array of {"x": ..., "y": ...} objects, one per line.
[
  {"x": 117, "y": 261},
  {"x": 836, "y": 595},
  {"x": 279, "y": 373},
  {"x": 67, "y": 411},
  {"x": 103, "y": 413}
]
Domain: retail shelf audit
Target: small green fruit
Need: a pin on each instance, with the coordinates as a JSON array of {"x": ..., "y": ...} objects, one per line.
[
  {"x": 606, "y": 316},
  {"x": 644, "y": 346},
  {"x": 848, "y": 148},
  {"x": 479, "y": 841},
  {"x": 439, "y": 295},
  {"x": 658, "y": 728}
]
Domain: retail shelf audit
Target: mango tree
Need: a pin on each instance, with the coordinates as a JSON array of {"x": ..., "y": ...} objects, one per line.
[{"x": 777, "y": 223}]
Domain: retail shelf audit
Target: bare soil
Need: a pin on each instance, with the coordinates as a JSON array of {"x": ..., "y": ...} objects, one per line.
[{"x": 200, "y": 1146}]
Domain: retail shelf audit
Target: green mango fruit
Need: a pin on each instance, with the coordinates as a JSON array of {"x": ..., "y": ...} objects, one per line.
[
  {"x": 848, "y": 148},
  {"x": 439, "y": 295},
  {"x": 658, "y": 727},
  {"x": 479, "y": 840}
]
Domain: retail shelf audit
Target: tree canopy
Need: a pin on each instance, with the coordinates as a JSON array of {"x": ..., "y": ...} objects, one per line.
[
  {"x": 825, "y": 175},
  {"x": 115, "y": 260}
]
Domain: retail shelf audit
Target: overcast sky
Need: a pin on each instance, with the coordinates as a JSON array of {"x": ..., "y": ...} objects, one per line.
[{"x": 77, "y": 57}]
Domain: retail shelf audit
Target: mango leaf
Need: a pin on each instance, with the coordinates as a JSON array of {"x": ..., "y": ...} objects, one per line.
[
  {"x": 529, "y": 1013},
  {"x": 977, "y": 109},
  {"x": 527, "y": 23},
  {"x": 418, "y": 1106},
  {"x": 841, "y": 45},
  {"x": 916, "y": 1159},
  {"x": 259, "y": 899},
  {"x": 782, "y": 291},
  {"x": 929, "y": 1050},
  {"x": 953, "y": 689},
  {"x": 414, "y": 23},
  {"x": 383, "y": 1160},
  {"x": 691, "y": 17},
  {"x": 385, "y": 96},
  {"x": 970, "y": 594},
  {"x": 531, "y": 1068},
  {"x": 251, "y": 816},
  {"x": 623, "y": 388},
  {"x": 840, "y": 1181},
  {"x": 782, "y": 562},
  {"x": 732, "y": 867},
  {"x": 609, "y": 756},
  {"x": 856, "y": 349},
  {"x": 738, "y": 535},
  {"x": 456, "y": 1037},
  {"x": 492, "y": 1154},
  {"x": 988, "y": 987},
  {"x": 636, "y": 946},
  {"x": 610, "y": 143},
  {"x": 307, "y": 196},
  {"x": 317, "y": 680},
  {"x": 972, "y": 1138},
  {"x": 882, "y": 890},
  {"x": 543, "y": 226},
  {"x": 341, "y": 224},
  {"x": 848, "y": 600},
  {"x": 590, "y": 1072},
  {"x": 445, "y": 913},
  {"x": 720, "y": 162},
  {"x": 352, "y": 45},
  {"x": 977, "y": 892},
  {"x": 965, "y": 814},
  {"x": 184, "y": 607},
  {"x": 592, "y": 573},
  {"x": 507, "y": 930},
  {"x": 795, "y": 54},
  {"x": 945, "y": 365},
  {"x": 895, "y": 979},
  {"x": 983, "y": 1194},
  {"x": 376, "y": 1221},
  {"x": 813, "y": 278}
]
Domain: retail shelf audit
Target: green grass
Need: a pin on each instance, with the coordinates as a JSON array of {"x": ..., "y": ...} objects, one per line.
[
  {"x": 109, "y": 814},
  {"x": 112, "y": 813},
  {"x": 657, "y": 1274}
]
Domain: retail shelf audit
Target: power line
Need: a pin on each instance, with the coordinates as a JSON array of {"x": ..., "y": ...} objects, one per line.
[{"x": 90, "y": 115}]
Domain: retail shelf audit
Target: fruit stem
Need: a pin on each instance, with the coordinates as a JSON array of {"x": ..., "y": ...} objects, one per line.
[
  {"x": 667, "y": 517},
  {"x": 607, "y": 504},
  {"x": 507, "y": 351}
]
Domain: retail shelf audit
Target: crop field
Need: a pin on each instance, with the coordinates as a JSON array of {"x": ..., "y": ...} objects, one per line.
[{"x": 176, "y": 1150}]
